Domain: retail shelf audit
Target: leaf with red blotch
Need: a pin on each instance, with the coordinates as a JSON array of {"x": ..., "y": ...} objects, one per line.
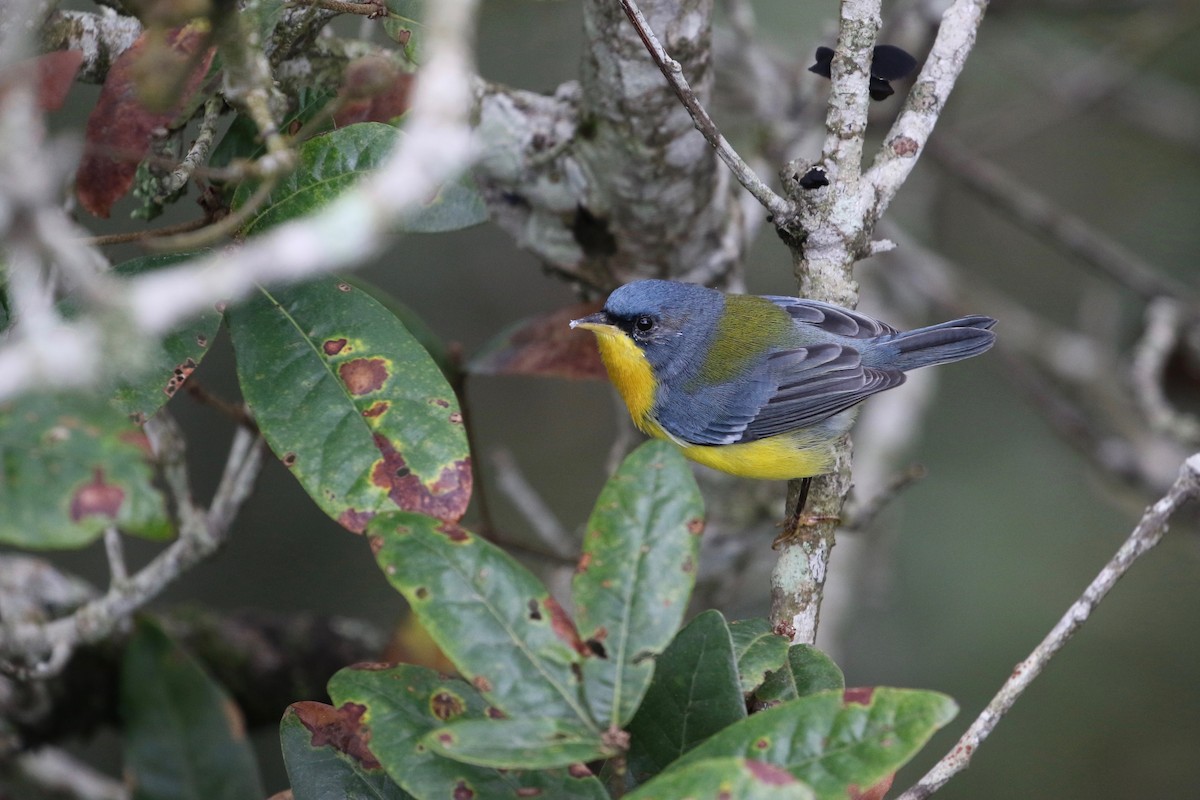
[
  {"x": 373, "y": 90},
  {"x": 544, "y": 346},
  {"x": 121, "y": 126},
  {"x": 325, "y": 750},
  {"x": 55, "y": 75}
]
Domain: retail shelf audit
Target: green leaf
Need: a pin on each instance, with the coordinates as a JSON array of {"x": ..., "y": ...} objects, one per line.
[
  {"x": 174, "y": 358},
  {"x": 242, "y": 140},
  {"x": 490, "y": 616},
  {"x": 694, "y": 694},
  {"x": 403, "y": 25},
  {"x": 182, "y": 735},
  {"x": 331, "y": 163},
  {"x": 398, "y": 705},
  {"x": 636, "y": 575},
  {"x": 72, "y": 465},
  {"x": 351, "y": 403},
  {"x": 530, "y": 743},
  {"x": 417, "y": 326},
  {"x": 327, "y": 756},
  {"x": 758, "y": 649},
  {"x": 457, "y": 204},
  {"x": 807, "y": 671},
  {"x": 833, "y": 742},
  {"x": 725, "y": 779}
]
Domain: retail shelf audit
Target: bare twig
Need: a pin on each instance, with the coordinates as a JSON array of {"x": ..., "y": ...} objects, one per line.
[
  {"x": 115, "y": 552},
  {"x": 137, "y": 236},
  {"x": 671, "y": 70},
  {"x": 370, "y": 10},
  {"x": 1148, "y": 533},
  {"x": 926, "y": 100},
  {"x": 197, "y": 154},
  {"x": 526, "y": 499},
  {"x": 56, "y": 770}
]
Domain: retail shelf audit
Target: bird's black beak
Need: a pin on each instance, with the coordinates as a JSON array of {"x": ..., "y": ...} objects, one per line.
[{"x": 592, "y": 321}]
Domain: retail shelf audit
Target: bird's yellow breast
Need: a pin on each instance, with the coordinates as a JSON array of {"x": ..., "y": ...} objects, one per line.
[
  {"x": 797, "y": 454},
  {"x": 783, "y": 457}
]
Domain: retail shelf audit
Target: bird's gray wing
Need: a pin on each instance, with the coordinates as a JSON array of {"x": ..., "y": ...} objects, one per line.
[
  {"x": 789, "y": 389},
  {"x": 832, "y": 319},
  {"x": 811, "y": 384}
]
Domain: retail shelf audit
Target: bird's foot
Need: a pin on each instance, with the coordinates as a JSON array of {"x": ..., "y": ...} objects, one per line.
[{"x": 794, "y": 527}]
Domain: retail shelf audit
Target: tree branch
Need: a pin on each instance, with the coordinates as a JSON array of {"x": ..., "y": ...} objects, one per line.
[
  {"x": 673, "y": 72},
  {"x": 1148, "y": 533}
]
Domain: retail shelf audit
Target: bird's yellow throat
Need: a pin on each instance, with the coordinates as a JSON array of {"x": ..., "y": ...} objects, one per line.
[{"x": 630, "y": 372}]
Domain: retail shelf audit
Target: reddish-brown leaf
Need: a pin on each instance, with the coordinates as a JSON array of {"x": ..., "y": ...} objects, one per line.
[
  {"x": 120, "y": 127},
  {"x": 55, "y": 74},
  {"x": 339, "y": 728},
  {"x": 544, "y": 346},
  {"x": 373, "y": 90}
]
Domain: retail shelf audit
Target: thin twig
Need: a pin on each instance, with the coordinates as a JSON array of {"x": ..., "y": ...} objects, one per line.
[
  {"x": 525, "y": 498},
  {"x": 909, "y": 134},
  {"x": 197, "y": 154},
  {"x": 780, "y": 208},
  {"x": 370, "y": 10},
  {"x": 115, "y": 553},
  {"x": 222, "y": 228},
  {"x": 137, "y": 236},
  {"x": 1146, "y": 535},
  {"x": 58, "y": 771},
  {"x": 861, "y": 517},
  {"x": 235, "y": 412}
]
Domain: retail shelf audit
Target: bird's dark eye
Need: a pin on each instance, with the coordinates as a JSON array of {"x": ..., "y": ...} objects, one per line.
[{"x": 643, "y": 324}]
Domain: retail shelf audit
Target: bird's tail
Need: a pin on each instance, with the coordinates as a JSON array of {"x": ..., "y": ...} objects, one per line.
[{"x": 943, "y": 343}]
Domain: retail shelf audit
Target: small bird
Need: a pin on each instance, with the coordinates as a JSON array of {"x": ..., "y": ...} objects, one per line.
[{"x": 758, "y": 386}]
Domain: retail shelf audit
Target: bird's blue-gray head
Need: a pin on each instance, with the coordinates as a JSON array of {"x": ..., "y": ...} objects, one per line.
[{"x": 655, "y": 315}]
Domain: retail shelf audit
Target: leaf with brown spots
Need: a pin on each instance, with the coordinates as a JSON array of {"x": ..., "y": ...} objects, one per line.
[
  {"x": 527, "y": 743},
  {"x": 475, "y": 601},
  {"x": 181, "y": 733},
  {"x": 326, "y": 753},
  {"x": 341, "y": 389},
  {"x": 148, "y": 87},
  {"x": 73, "y": 467},
  {"x": 172, "y": 359},
  {"x": 543, "y": 346},
  {"x": 404, "y": 703},
  {"x": 640, "y": 555},
  {"x": 332, "y": 162},
  {"x": 726, "y": 779},
  {"x": 830, "y": 742}
]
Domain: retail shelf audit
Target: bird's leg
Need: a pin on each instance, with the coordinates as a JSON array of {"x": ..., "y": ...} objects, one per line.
[{"x": 797, "y": 520}]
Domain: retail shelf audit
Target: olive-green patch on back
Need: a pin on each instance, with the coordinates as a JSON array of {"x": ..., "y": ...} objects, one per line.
[{"x": 748, "y": 327}]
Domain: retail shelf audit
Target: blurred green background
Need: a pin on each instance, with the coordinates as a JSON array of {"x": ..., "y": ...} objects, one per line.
[{"x": 979, "y": 559}]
